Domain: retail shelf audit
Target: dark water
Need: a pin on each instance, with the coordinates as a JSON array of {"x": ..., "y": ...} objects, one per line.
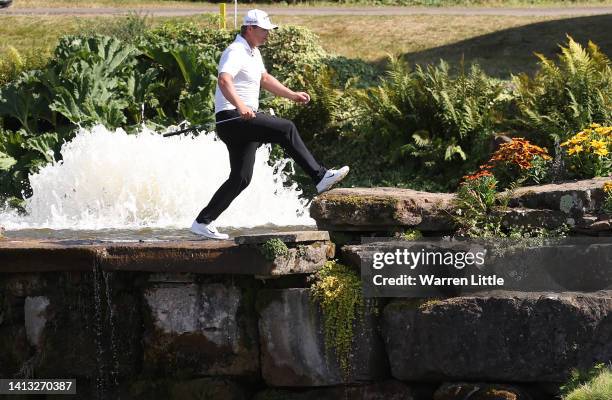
[{"x": 145, "y": 234}]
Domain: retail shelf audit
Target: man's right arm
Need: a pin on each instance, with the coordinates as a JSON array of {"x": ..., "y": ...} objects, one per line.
[{"x": 226, "y": 85}]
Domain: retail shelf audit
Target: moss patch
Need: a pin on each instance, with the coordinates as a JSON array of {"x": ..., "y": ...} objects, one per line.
[
  {"x": 345, "y": 206},
  {"x": 274, "y": 248}
]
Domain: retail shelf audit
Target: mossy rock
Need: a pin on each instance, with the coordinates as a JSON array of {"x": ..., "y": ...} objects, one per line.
[{"x": 273, "y": 248}]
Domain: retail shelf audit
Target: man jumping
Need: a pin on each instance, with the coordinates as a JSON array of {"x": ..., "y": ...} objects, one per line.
[{"x": 241, "y": 74}]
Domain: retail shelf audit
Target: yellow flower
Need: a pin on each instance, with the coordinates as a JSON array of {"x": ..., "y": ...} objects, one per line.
[
  {"x": 601, "y": 152},
  {"x": 598, "y": 144},
  {"x": 575, "y": 150},
  {"x": 594, "y": 126},
  {"x": 607, "y": 187}
]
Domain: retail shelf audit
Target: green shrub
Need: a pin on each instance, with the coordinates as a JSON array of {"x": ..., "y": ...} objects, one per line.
[
  {"x": 352, "y": 69},
  {"x": 13, "y": 63},
  {"x": 564, "y": 97},
  {"x": 291, "y": 50},
  {"x": 475, "y": 201},
  {"x": 189, "y": 34},
  {"x": 433, "y": 121}
]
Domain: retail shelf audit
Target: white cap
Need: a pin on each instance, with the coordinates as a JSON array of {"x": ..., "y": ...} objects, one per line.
[{"x": 259, "y": 18}]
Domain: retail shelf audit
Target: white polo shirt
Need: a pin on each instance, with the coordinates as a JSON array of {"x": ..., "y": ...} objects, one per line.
[{"x": 246, "y": 66}]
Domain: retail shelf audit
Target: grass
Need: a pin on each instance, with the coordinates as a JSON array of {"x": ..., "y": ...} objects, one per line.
[
  {"x": 108, "y": 3},
  {"x": 371, "y": 38},
  {"x": 33, "y": 33},
  {"x": 598, "y": 388},
  {"x": 192, "y": 4},
  {"x": 501, "y": 44}
]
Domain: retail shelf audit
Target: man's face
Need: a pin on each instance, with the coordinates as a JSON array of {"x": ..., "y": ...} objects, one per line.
[{"x": 259, "y": 35}]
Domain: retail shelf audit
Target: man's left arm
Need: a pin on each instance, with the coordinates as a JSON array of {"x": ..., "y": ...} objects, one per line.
[{"x": 272, "y": 85}]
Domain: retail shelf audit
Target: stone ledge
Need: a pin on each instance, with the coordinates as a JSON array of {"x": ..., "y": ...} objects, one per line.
[
  {"x": 287, "y": 237},
  {"x": 198, "y": 256},
  {"x": 529, "y": 217},
  {"x": 382, "y": 209},
  {"x": 572, "y": 198}
]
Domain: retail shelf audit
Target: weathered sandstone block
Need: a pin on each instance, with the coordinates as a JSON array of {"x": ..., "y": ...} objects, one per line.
[
  {"x": 200, "y": 329},
  {"x": 499, "y": 336},
  {"x": 382, "y": 209},
  {"x": 292, "y": 344}
]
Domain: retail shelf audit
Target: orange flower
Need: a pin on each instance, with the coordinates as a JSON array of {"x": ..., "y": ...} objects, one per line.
[
  {"x": 519, "y": 152},
  {"x": 477, "y": 175}
]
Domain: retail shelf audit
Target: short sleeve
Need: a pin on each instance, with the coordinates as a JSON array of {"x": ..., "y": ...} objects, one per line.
[{"x": 231, "y": 62}]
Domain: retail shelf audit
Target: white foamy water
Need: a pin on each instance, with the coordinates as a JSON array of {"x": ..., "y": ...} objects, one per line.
[{"x": 120, "y": 181}]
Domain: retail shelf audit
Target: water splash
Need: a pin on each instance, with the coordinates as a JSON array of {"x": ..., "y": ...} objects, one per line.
[{"x": 112, "y": 180}]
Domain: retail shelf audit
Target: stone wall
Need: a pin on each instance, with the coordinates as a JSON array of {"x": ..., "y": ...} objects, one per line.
[
  {"x": 219, "y": 320},
  {"x": 180, "y": 336}
]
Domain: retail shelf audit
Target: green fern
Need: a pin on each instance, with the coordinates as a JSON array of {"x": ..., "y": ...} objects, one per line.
[
  {"x": 564, "y": 97},
  {"x": 428, "y": 117}
]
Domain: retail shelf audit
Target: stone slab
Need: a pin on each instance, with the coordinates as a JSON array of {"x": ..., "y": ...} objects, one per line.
[
  {"x": 499, "y": 336},
  {"x": 380, "y": 209},
  {"x": 292, "y": 345},
  {"x": 572, "y": 198},
  {"x": 534, "y": 218},
  {"x": 287, "y": 237},
  {"x": 200, "y": 329},
  {"x": 198, "y": 256}
]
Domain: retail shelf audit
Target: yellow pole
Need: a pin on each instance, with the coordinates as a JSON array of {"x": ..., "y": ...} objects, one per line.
[{"x": 222, "y": 22}]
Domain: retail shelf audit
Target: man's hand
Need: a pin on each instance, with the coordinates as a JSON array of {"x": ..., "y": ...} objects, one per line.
[
  {"x": 246, "y": 113},
  {"x": 272, "y": 85},
  {"x": 301, "y": 97}
]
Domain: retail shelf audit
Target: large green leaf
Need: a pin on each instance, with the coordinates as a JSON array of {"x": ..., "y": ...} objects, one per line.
[
  {"x": 6, "y": 162},
  {"x": 90, "y": 97},
  {"x": 17, "y": 103},
  {"x": 44, "y": 145}
]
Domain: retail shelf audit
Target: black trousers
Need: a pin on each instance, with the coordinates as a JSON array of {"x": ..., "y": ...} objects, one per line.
[{"x": 242, "y": 139}]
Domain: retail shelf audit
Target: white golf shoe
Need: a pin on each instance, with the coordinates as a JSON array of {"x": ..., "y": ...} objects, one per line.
[
  {"x": 332, "y": 176},
  {"x": 207, "y": 230}
]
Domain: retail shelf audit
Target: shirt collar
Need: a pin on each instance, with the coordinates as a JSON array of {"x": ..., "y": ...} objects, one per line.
[{"x": 246, "y": 45}]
